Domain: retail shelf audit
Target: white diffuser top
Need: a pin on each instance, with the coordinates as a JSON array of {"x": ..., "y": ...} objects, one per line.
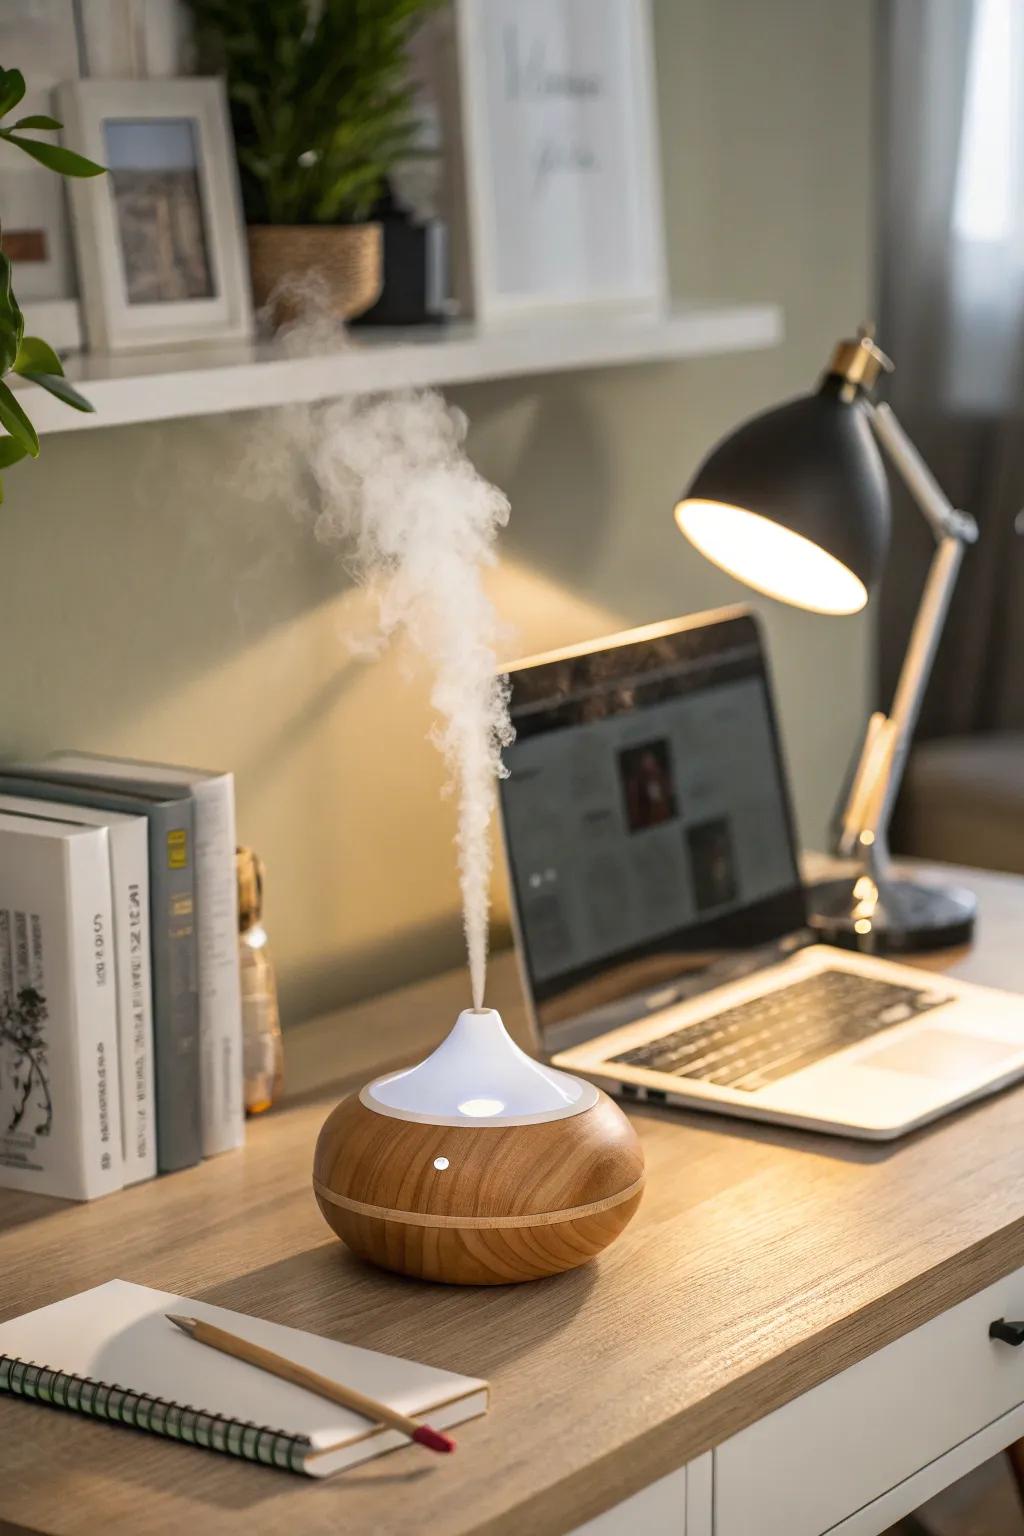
[{"x": 479, "y": 1076}]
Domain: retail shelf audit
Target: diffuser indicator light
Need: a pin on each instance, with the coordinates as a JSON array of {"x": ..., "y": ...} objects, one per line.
[{"x": 440, "y": 1163}]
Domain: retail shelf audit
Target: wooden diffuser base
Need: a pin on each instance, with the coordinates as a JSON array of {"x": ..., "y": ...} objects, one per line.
[{"x": 477, "y": 1204}]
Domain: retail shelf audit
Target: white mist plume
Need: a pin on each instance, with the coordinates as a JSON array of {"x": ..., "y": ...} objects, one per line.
[{"x": 419, "y": 525}]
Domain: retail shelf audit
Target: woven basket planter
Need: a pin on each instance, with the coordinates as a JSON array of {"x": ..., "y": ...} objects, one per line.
[{"x": 293, "y": 265}]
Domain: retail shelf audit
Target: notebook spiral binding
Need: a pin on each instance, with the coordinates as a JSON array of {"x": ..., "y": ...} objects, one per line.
[{"x": 156, "y": 1415}]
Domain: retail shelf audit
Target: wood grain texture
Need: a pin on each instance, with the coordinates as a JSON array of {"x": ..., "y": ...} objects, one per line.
[
  {"x": 760, "y": 1262},
  {"x": 512, "y": 1203}
]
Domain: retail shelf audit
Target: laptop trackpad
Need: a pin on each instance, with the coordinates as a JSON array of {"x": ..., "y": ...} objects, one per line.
[{"x": 943, "y": 1054}]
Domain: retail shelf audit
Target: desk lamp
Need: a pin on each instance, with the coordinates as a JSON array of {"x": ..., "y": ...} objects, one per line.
[
  {"x": 795, "y": 503},
  {"x": 479, "y": 1166}
]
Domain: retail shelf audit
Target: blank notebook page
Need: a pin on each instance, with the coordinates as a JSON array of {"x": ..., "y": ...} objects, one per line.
[{"x": 118, "y": 1332}]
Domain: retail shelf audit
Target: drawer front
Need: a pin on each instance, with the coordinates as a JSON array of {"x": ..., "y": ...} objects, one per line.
[
  {"x": 676, "y": 1505},
  {"x": 657, "y": 1510},
  {"x": 810, "y": 1464}
]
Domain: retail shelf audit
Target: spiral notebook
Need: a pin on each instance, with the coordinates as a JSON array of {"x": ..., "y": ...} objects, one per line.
[{"x": 111, "y": 1353}]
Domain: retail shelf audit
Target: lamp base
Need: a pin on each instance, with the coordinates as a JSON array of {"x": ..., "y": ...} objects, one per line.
[{"x": 900, "y": 917}]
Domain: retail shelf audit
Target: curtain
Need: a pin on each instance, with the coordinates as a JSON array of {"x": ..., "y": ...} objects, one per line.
[{"x": 950, "y": 153}]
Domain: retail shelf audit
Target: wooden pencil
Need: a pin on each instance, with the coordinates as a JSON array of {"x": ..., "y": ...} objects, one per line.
[{"x": 300, "y": 1376}]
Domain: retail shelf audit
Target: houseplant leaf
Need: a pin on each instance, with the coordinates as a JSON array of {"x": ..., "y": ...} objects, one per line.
[
  {"x": 30, "y": 357},
  {"x": 38, "y": 362},
  {"x": 10, "y": 452},
  {"x": 12, "y": 323},
  {"x": 57, "y": 384},
  {"x": 16, "y": 422},
  {"x": 36, "y": 356},
  {"x": 321, "y": 97},
  {"x": 12, "y": 89},
  {"x": 37, "y": 120},
  {"x": 54, "y": 156}
]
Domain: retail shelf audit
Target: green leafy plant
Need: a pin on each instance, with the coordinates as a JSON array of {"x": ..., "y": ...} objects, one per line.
[
  {"x": 28, "y": 356},
  {"x": 321, "y": 101}
]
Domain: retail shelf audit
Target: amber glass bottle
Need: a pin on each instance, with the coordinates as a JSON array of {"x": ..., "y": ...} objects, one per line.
[{"x": 263, "y": 1049}]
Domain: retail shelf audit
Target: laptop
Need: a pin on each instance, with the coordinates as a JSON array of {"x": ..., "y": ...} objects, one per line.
[{"x": 659, "y": 912}]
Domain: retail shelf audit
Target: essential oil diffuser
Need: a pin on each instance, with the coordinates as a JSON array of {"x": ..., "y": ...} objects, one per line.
[{"x": 480, "y": 1166}]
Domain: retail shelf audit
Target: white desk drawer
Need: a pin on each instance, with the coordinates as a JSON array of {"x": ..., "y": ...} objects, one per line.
[
  {"x": 657, "y": 1510},
  {"x": 808, "y": 1465}
]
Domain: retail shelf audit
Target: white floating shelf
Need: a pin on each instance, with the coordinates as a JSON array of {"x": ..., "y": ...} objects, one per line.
[{"x": 149, "y": 386}]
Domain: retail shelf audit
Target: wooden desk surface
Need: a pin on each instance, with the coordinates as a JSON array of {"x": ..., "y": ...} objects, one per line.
[{"x": 761, "y": 1262}]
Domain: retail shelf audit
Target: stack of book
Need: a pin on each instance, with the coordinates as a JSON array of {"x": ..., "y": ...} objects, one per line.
[{"x": 120, "y": 1010}]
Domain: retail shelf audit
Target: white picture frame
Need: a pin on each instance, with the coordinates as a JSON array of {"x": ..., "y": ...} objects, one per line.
[
  {"x": 160, "y": 239},
  {"x": 561, "y": 167}
]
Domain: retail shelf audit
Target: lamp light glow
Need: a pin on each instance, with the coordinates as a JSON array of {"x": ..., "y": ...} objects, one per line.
[{"x": 770, "y": 557}]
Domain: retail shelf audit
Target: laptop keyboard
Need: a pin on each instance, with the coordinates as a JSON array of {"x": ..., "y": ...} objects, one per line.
[{"x": 772, "y": 1036}]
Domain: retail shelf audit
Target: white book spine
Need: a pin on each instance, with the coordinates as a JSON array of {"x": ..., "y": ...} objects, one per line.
[
  {"x": 220, "y": 998},
  {"x": 129, "y": 868},
  {"x": 94, "y": 1014}
]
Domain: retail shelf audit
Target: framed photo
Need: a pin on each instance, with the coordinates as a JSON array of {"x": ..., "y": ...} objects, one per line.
[
  {"x": 160, "y": 238},
  {"x": 562, "y": 176}
]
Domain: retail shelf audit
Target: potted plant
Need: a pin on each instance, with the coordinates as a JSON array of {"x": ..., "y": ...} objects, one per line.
[
  {"x": 28, "y": 356},
  {"x": 323, "y": 109}
]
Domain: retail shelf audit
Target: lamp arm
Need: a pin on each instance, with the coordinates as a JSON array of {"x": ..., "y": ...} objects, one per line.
[
  {"x": 864, "y": 825},
  {"x": 931, "y": 499}
]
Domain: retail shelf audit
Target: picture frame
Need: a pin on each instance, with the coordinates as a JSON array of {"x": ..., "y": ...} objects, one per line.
[
  {"x": 561, "y": 169},
  {"x": 160, "y": 239}
]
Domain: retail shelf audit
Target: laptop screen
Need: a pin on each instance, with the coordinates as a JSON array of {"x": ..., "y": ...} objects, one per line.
[{"x": 646, "y": 817}]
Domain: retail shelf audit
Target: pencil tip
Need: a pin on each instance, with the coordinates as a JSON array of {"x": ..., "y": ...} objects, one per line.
[
  {"x": 432, "y": 1438},
  {"x": 186, "y": 1324}
]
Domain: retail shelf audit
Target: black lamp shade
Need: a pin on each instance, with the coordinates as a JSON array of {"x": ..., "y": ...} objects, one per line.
[{"x": 811, "y": 467}]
